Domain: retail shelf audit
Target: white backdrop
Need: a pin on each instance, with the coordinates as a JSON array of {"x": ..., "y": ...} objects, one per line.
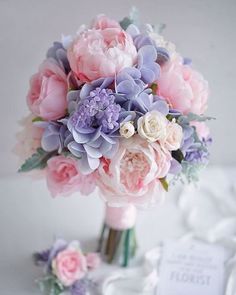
[{"x": 201, "y": 29}]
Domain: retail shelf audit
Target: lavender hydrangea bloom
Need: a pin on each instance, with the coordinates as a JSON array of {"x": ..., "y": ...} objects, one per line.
[
  {"x": 187, "y": 61},
  {"x": 143, "y": 40},
  {"x": 79, "y": 287},
  {"x": 130, "y": 89},
  {"x": 194, "y": 149},
  {"x": 188, "y": 138},
  {"x": 150, "y": 70},
  {"x": 175, "y": 167},
  {"x": 41, "y": 258},
  {"x": 93, "y": 126},
  {"x": 162, "y": 56},
  {"x": 134, "y": 95},
  {"x": 59, "y": 54},
  {"x": 199, "y": 155},
  {"x": 56, "y": 136},
  {"x": 44, "y": 258}
]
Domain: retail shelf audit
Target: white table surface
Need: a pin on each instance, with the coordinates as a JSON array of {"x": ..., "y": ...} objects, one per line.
[{"x": 30, "y": 219}]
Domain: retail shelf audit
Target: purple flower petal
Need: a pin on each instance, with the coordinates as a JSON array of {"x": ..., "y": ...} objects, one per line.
[
  {"x": 50, "y": 143},
  {"x": 175, "y": 167},
  {"x": 93, "y": 163},
  {"x": 160, "y": 106},
  {"x": 147, "y": 54},
  {"x": 80, "y": 137},
  {"x": 84, "y": 166},
  {"x": 92, "y": 152},
  {"x": 133, "y": 30}
]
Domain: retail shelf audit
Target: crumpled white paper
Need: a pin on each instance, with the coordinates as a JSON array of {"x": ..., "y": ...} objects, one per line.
[
  {"x": 144, "y": 279},
  {"x": 210, "y": 210},
  {"x": 210, "y": 215}
]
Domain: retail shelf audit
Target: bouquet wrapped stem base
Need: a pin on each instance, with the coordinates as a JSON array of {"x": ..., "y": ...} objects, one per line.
[{"x": 117, "y": 241}]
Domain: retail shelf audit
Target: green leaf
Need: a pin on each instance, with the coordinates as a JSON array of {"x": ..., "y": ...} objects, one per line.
[
  {"x": 170, "y": 117},
  {"x": 132, "y": 19},
  {"x": 164, "y": 184},
  {"x": 178, "y": 155},
  {"x": 37, "y": 119},
  {"x": 154, "y": 88},
  {"x": 49, "y": 285},
  {"x": 36, "y": 161},
  {"x": 126, "y": 21}
]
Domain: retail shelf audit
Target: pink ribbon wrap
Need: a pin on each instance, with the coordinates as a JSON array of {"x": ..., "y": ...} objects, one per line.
[{"x": 121, "y": 218}]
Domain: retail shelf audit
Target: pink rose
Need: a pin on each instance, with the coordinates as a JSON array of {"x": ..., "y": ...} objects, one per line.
[
  {"x": 93, "y": 260},
  {"x": 202, "y": 129},
  {"x": 63, "y": 177},
  {"x": 103, "y": 22},
  {"x": 174, "y": 136},
  {"x": 48, "y": 88},
  {"x": 132, "y": 175},
  {"x": 69, "y": 265},
  {"x": 184, "y": 88},
  {"x": 101, "y": 52}
]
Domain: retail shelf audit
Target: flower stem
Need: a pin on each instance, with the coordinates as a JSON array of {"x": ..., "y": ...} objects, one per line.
[
  {"x": 126, "y": 248},
  {"x": 117, "y": 245},
  {"x": 101, "y": 239}
]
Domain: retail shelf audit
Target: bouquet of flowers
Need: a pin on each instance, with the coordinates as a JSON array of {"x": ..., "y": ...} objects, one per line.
[
  {"x": 118, "y": 108},
  {"x": 66, "y": 269}
]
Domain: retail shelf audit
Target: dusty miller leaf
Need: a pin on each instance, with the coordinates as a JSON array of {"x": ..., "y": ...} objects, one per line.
[
  {"x": 50, "y": 286},
  {"x": 37, "y": 161},
  {"x": 133, "y": 18},
  {"x": 182, "y": 120}
]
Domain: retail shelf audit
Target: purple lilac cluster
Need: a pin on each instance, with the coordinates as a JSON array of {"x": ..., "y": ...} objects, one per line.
[{"x": 97, "y": 110}]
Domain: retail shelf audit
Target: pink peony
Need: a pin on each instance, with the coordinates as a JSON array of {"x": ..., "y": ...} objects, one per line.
[
  {"x": 101, "y": 52},
  {"x": 132, "y": 175},
  {"x": 202, "y": 129},
  {"x": 48, "y": 88},
  {"x": 63, "y": 177},
  {"x": 103, "y": 22},
  {"x": 29, "y": 139},
  {"x": 69, "y": 265},
  {"x": 93, "y": 260},
  {"x": 184, "y": 88}
]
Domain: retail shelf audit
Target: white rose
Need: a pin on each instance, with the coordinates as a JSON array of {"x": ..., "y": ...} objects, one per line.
[
  {"x": 127, "y": 129},
  {"x": 174, "y": 136},
  {"x": 152, "y": 126}
]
